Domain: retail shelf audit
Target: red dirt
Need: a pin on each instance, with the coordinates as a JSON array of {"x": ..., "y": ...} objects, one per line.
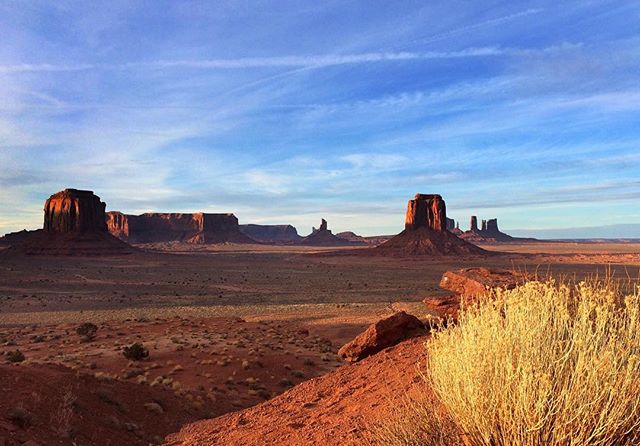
[
  {"x": 66, "y": 408},
  {"x": 84, "y": 244},
  {"x": 335, "y": 409},
  {"x": 216, "y": 365}
]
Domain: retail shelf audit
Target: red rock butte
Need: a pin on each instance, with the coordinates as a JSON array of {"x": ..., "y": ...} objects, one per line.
[
  {"x": 426, "y": 210},
  {"x": 426, "y": 232},
  {"x": 489, "y": 233},
  {"x": 74, "y": 210},
  {"x": 74, "y": 225}
]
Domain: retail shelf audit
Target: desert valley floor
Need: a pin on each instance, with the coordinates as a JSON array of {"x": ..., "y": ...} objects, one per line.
[{"x": 227, "y": 327}]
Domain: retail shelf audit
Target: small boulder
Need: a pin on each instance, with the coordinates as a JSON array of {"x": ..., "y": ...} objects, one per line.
[{"x": 385, "y": 333}]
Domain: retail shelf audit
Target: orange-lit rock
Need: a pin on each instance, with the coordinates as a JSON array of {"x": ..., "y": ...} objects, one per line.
[
  {"x": 74, "y": 210},
  {"x": 385, "y": 333}
]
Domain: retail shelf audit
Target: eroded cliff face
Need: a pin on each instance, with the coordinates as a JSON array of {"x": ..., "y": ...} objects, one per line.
[
  {"x": 279, "y": 234},
  {"x": 73, "y": 210},
  {"x": 196, "y": 228},
  {"x": 428, "y": 211},
  {"x": 118, "y": 224}
]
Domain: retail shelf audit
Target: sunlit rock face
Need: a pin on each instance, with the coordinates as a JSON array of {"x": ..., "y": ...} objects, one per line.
[
  {"x": 428, "y": 211},
  {"x": 73, "y": 210}
]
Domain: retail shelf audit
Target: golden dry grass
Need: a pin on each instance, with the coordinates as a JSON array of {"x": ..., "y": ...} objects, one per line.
[
  {"x": 418, "y": 421},
  {"x": 543, "y": 364}
]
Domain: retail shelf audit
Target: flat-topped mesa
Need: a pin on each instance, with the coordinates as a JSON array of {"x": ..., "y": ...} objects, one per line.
[
  {"x": 73, "y": 210},
  {"x": 426, "y": 210},
  {"x": 195, "y": 228},
  {"x": 278, "y": 234}
]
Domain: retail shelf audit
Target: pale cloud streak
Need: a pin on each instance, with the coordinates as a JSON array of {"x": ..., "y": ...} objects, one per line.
[{"x": 314, "y": 61}]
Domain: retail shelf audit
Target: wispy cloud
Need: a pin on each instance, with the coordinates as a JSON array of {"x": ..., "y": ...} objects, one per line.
[
  {"x": 378, "y": 161},
  {"x": 486, "y": 23},
  {"x": 276, "y": 184},
  {"x": 314, "y": 61}
]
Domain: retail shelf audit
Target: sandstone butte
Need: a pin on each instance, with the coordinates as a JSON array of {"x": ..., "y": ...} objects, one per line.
[
  {"x": 488, "y": 233},
  {"x": 74, "y": 210},
  {"x": 426, "y": 232},
  {"x": 74, "y": 224}
]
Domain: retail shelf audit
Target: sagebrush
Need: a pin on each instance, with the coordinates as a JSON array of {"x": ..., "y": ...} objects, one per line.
[{"x": 544, "y": 364}]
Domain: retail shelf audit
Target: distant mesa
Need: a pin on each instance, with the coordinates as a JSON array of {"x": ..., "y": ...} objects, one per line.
[
  {"x": 489, "y": 233},
  {"x": 74, "y": 224},
  {"x": 195, "y": 228},
  {"x": 352, "y": 237},
  {"x": 426, "y": 232},
  {"x": 272, "y": 234},
  {"x": 322, "y": 236}
]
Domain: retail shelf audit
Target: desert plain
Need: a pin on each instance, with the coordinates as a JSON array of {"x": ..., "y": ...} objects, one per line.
[{"x": 227, "y": 327}]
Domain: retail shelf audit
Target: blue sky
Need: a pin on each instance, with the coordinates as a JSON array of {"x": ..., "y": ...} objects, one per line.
[{"x": 289, "y": 111}]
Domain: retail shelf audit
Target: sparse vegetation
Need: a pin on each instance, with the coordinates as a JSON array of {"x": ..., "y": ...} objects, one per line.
[
  {"x": 61, "y": 418},
  {"x": 135, "y": 352},
  {"x": 20, "y": 416},
  {"x": 541, "y": 365},
  {"x": 15, "y": 356},
  {"x": 87, "y": 331},
  {"x": 416, "y": 422}
]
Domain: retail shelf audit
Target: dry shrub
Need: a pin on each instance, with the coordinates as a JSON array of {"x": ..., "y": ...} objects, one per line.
[
  {"x": 135, "y": 352},
  {"x": 542, "y": 365},
  {"x": 418, "y": 421},
  {"x": 61, "y": 418}
]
